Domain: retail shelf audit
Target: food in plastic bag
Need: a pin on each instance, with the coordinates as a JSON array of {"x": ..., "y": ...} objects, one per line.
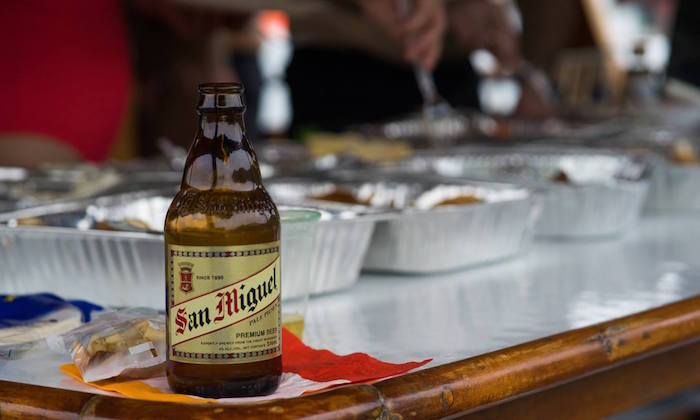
[{"x": 128, "y": 343}]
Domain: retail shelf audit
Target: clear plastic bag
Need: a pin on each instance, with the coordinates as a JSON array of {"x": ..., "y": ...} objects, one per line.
[{"x": 128, "y": 343}]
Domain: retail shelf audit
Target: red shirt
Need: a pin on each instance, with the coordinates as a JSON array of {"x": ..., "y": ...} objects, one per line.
[{"x": 64, "y": 71}]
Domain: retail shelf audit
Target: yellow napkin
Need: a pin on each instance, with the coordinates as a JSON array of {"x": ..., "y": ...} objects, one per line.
[{"x": 134, "y": 388}]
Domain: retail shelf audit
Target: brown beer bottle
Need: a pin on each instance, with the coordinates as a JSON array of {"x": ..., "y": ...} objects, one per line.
[{"x": 222, "y": 240}]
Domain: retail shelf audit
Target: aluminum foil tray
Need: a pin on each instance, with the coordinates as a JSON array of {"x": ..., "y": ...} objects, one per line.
[
  {"x": 514, "y": 129},
  {"x": 412, "y": 235},
  {"x": 463, "y": 125},
  {"x": 342, "y": 237},
  {"x": 674, "y": 187},
  {"x": 447, "y": 239},
  {"x": 657, "y": 132},
  {"x": 22, "y": 188},
  {"x": 447, "y": 128},
  {"x": 57, "y": 248},
  {"x": 602, "y": 194},
  {"x": 85, "y": 260},
  {"x": 110, "y": 268}
]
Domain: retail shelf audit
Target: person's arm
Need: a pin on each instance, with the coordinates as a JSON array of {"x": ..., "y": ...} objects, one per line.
[
  {"x": 420, "y": 33},
  {"x": 31, "y": 150},
  {"x": 65, "y": 82}
]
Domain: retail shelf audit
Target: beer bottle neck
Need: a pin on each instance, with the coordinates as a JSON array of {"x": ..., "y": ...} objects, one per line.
[{"x": 221, "y": 156}]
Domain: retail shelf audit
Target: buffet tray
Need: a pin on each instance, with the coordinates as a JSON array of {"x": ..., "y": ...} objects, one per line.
[
  {"x": 603, "y": 195},
  {"x": 674, "y": 187},
  {"x": 341, "y": 239},
  {"x": 413, "y": 235},
  {"x": 462, "y": 125},
  {"x": 56, "y": 248},
  {"x": 22, "y": 188},
  {"x": 111, "y": 268},
  {"x": 654, "y": 133},
  {"x": 89, "y": 247}
]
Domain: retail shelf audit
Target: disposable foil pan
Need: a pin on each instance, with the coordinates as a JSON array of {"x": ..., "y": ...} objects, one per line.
[
  {"x": 111, "y": 268},
  {"x": 656, "y": 133},
  {"x": 22, "y": 188},
  {"x": 603, "y": 196},
  {"x": 59, "y": 248},
  {"x": 440, "y": 239},
  {"x": 674, "y": 187},
  {"x": 342, "y": 237},
  {"x": 461, "y": 125},
  {"x": 591, "y": 210},
  {"x": 412, "y": 235},
  {"x": 340, "y": 242}
]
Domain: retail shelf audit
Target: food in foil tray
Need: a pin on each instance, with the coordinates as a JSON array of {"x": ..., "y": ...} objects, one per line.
[
  {"x": 449, "y": 195},
  {"x": 561, "y": 176},
  {"x": 584, "y": 192},
  {"x": 29, "y": 221},
  {"x": 339, "y": 195},
  {"x": 465, "y": 225},
  {"x": 128, "y": 224},
  {"x": 395, "y": 196},
  {"x": 460, "y": 200},
  {"x": 683, "y": 152}
]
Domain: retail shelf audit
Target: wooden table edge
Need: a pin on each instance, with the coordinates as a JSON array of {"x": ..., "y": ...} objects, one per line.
[{"x": 455, "y": 388}]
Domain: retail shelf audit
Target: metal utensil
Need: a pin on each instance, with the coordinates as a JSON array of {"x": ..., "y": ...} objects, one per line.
[
  {"x": 175, "y": 155},
  {"x": 434, "y": 106}
]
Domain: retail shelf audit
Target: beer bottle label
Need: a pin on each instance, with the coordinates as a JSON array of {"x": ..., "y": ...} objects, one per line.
[{"x": 224, "y": 303}]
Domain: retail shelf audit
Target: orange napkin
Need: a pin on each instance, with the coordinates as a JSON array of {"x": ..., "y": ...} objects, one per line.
[{"x": 134, "y": 388}]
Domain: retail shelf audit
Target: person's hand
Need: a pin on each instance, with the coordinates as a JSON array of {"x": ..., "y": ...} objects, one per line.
[
  {"x": 485, "y": 24},
  {"x": 419, "y": 25},
  {"x": 423, "y": 32}
]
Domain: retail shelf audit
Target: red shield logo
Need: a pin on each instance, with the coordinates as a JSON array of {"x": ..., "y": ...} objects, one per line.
[{"x": 186, "y": 277}]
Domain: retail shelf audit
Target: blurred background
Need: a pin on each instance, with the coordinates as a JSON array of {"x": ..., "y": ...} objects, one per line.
[
  {"x": 116, "y": 80},
  {"x": 594, "y": 105}
]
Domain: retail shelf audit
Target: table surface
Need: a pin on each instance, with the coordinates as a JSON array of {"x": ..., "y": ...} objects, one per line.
[{"x": 555, "y": 287}]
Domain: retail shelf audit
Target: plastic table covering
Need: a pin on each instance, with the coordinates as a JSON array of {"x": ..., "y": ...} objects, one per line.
[{"x": 555, "y": 287}]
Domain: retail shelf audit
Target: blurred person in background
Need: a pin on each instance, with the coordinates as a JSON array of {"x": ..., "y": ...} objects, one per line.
[
  {"x": 88, "y": 80},
  {"x": 94, "y": 80},
  {"x": 66, "y": 78},
  {"x": 684, "y": 64},
  {"x": 550, "y": 28},
  {"x": 557, "y": 38},
  {"x": 176, "y": 46},
  {"x": 352, "y": 60}
]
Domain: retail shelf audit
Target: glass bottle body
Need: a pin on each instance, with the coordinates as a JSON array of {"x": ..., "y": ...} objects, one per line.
[{"x": 221, "y": 204}]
